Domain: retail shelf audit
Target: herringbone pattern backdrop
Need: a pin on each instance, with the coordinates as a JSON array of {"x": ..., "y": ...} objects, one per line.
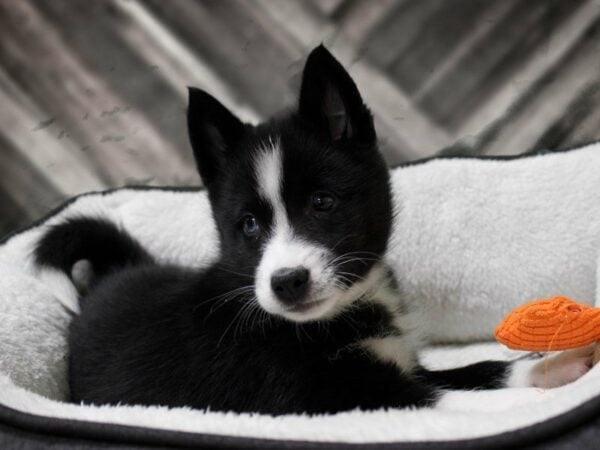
[{"x": 93, "y": 93}]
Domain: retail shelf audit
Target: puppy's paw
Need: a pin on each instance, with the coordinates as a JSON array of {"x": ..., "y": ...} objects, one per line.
[
  {"x": 563, "y": 368},
  {"x": 82, "y": 275},
  {"x": 558, "y": 370}
]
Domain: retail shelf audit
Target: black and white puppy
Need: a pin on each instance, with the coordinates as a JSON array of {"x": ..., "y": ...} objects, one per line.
[{"x": 300, "y": 313}]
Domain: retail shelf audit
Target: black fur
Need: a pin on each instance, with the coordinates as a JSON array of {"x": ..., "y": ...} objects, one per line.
[
  {"x": 151, "y": 334},
  {"x": 177, "y": 348},
  {"x": 96, "y": 240}
]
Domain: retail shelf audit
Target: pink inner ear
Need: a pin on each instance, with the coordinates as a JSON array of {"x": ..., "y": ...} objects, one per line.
[{"x": 335, "y": 113}]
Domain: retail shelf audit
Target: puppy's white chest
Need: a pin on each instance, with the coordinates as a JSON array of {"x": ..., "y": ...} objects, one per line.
[{"x": 399, "y": 348}]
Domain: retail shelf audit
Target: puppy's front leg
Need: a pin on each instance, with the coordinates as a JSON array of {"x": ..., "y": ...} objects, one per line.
[
  {"x": 558, "y": 370},
  {"x": 481, "y": 375}
]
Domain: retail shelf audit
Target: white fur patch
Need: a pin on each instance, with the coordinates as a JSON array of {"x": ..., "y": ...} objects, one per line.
[
  {"x": 268, "y": 167},
  {"x": 399, "y": 350},
  {"x": 285, "y": 250},
  {"x": 521, "y": 374},
  {"x": 394, "y": 349},
  {"x": 82, "y": 274}
]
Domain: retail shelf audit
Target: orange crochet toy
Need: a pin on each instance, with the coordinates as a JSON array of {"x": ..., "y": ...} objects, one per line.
[{"x": 551, "y": 324}]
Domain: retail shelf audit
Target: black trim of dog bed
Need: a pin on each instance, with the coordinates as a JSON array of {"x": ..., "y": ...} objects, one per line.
[{"x": 577, "y": 428}]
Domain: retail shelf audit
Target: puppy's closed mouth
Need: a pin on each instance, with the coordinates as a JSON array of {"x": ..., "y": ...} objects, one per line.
[{"x": 304, "y": 306}]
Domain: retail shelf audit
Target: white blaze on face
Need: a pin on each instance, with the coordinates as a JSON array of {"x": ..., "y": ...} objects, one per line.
[{"x": 284, "y": 249}]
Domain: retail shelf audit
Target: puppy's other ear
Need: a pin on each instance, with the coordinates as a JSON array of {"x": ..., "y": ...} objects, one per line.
[
  {"x": 213, "y": 131},
  {"x": 331, "y": 101}
]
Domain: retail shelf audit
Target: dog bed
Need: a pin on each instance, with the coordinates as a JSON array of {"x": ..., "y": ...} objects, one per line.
[{"x": 473, "y": 238}]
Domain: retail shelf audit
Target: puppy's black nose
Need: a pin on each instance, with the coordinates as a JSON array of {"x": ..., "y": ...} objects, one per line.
[{"x": 290, "y": 284}]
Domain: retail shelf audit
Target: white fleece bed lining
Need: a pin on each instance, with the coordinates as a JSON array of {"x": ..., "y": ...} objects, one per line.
[
  {"x": 463, "y": 415},
  {"x": 36, "y": 306}
]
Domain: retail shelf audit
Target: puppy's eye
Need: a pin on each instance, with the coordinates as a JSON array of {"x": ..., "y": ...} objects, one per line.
[
  {"x": 250, "y": 225},
  {"x": 322, "y": 201}
]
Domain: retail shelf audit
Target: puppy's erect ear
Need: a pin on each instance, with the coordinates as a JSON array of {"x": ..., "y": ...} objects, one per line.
[
  {"x": 331, "y": 101},
  {"x": 213, "y": 132}
]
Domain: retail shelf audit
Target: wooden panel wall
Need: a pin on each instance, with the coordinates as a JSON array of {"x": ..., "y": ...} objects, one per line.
[{"x": 93, "y": 94}]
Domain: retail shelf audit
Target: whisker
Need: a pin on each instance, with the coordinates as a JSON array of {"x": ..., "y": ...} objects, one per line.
[
  {"x": 338, "y": 284},
  {"x": 240, "y": 323},
  {"x": 228, "y": 327},
  {"x": 221, "y": 300},
  {"x": 235, "y": 273},
  {"x": 349, "y": 257},
  {"x": 240, "y": 289},
  {"x": 342, "y": 240}
]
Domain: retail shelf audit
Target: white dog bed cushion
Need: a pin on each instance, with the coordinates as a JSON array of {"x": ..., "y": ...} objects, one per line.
[{"x": 472, "y": 239}]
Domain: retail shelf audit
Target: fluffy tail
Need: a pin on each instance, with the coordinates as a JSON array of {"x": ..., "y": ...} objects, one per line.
[{"x": 99, "y": 241}]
